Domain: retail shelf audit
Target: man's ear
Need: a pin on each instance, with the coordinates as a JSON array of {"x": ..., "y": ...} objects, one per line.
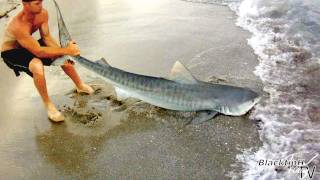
[{"x": 25, "y": 3}]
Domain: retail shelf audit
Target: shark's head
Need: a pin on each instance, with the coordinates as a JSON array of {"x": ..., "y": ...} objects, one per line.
[
  {"x": 236, "y": 101},
  {"x": 246, "y": 102}
]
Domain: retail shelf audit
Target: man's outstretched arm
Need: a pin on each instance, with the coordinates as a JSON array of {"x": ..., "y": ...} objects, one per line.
[
  {"x": 45, "y": 33},
  {"x": 28, "y": 42}
]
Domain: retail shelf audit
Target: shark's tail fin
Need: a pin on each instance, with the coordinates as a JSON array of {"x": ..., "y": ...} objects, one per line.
[{"x": 64, "y": 35}]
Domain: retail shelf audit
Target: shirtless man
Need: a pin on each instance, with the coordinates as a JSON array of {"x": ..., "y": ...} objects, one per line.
[{"x": 22, "y": 53}]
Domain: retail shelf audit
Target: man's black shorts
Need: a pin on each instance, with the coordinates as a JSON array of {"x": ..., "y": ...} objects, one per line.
[{"x": 18, "y": 59}]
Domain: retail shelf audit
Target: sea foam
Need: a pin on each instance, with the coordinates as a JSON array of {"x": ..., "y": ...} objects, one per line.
[{"x": 286, "y": 38}]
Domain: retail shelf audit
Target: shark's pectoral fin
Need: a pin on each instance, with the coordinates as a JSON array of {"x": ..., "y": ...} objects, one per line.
[
  {"x": 121, "y": 94},
  {"x": 103, "y": 61},
  {"x": 203, "y": 116},
  {"x": 181, "y": 74}
]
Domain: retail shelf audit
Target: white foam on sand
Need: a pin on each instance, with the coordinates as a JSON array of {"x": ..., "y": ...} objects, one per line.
[{"x": 286, "y": 38}]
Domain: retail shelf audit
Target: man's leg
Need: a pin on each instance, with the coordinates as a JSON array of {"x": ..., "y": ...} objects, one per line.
[
  {"x": 36, "y": 67},
  {"x": 68, "y": 68}
]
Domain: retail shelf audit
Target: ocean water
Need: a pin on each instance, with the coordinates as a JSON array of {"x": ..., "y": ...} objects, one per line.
[{"x": 286, "y": 39}]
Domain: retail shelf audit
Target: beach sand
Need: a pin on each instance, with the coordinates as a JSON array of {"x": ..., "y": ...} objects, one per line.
[
  {"x": 7, "y": 6},
  {"x": 106, "y": 138}
]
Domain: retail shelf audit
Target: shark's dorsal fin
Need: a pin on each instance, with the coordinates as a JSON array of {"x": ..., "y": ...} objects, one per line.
[
  {"x": 181, "y": 74},
  {"x": 103, "y": 61}
]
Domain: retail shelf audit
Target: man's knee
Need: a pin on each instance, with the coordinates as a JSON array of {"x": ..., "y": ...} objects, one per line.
[{"x": 36, "y": 66}]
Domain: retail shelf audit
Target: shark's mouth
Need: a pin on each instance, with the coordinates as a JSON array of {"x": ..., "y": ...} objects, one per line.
[{"x": 241, "y": 109}]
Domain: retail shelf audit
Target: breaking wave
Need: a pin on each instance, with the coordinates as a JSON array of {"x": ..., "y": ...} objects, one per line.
[{"x": 286, "y": 38}]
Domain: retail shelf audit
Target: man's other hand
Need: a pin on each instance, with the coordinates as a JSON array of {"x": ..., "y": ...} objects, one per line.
[{"x": 73, "y": 48}]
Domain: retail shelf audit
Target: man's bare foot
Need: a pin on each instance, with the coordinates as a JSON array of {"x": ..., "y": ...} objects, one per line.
[
  {"x": 84, "y": 88},
  {"x": 53, "y": 114}
]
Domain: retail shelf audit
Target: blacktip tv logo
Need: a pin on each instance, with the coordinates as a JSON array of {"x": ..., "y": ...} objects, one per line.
[
  {"x": 304, "y": 169},
  {"x": 307, "y": 172}
]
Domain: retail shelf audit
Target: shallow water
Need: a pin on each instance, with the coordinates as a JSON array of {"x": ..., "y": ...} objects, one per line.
[
  {"x": 103, "y": 137},
  {"x": 285, "y": 36}
]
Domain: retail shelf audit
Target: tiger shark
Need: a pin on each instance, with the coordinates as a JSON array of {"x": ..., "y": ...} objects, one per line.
[{"x": 180, "y": 91}]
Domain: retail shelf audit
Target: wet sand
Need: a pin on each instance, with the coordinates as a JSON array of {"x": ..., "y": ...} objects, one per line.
[
  {"x": 7, "y": 6},
  {"x": 106, "y": 138}
]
